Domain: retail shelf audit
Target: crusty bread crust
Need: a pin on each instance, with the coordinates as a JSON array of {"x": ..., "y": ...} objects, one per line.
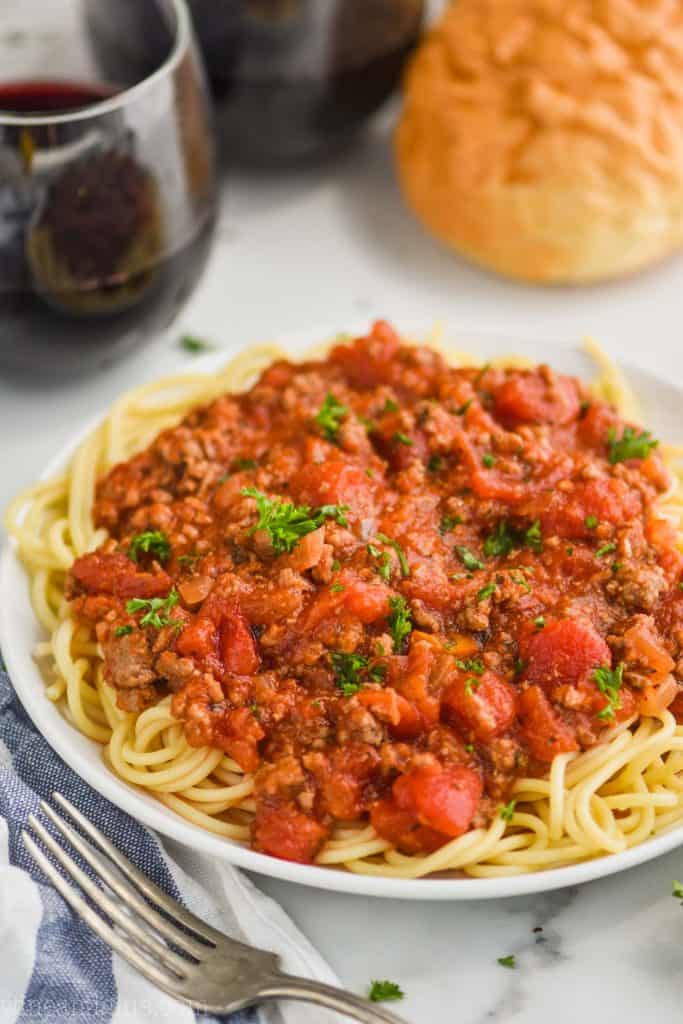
[{"x": 544, "y": 138}]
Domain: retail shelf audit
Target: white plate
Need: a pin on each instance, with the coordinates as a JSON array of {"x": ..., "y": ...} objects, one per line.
[{"x": 19, "y": 631}]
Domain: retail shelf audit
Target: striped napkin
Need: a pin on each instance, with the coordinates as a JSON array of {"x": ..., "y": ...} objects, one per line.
[{"x": 54, "y": 970}]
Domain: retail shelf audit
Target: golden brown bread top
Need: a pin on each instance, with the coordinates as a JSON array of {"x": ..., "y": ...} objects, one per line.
[{"x": 562, "y": 92}]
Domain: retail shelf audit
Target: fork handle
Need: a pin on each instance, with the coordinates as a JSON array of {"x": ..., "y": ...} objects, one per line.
[{"x": 286, "y": 986}]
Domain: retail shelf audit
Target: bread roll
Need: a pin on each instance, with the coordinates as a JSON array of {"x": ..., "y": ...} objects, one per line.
[{"x": 544, "y": 138}]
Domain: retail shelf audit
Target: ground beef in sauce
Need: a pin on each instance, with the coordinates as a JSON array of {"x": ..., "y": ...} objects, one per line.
[{"x": 435, "y": 632}]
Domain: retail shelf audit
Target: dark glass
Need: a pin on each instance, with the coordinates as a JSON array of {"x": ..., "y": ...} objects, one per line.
[
  {"x": 107, "y": 191},
  {"x": 295, "y": 79}
]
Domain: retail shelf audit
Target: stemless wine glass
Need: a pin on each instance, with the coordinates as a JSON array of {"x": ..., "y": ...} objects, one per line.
[{"x": 107, "y": 178}]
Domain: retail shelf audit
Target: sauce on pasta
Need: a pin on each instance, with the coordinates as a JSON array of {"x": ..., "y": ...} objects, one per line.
[{"x": 389, "y": 588}]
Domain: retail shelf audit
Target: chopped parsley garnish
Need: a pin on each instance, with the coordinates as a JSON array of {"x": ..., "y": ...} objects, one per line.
[
  {"x": 400, "y": 621},
  {"x": 591, "y": 522},
  {"x": 616, "y": 566},
  {"x": 403, "y": 561},
  {"x": 677, "y": 891},
  {"x": 520, "y": 665},
  {"x": 631, "y": 445},
  {"x": 347, "y": 670},
  {"x": 507, "y": 961},
  {"x": 243, "y": 464},
  {"x": 156, "y": 610},
  {"x": 189, "y": 560},
  {"x": 488, "y": 460},
  {"x": 330, "y": 417},
  {"x": 390, "y": 406},
  {"x": 384, "y": 564},
  {"x": 605, "y": 549},
  {"x": 505, "y": 538},
  {"x": 469, "y": 747},
  {"x": 377, "y": 673},
  {"x": 473, "y": 665},
  {"x": 286, "y": 523},
  {"x": 583, "y": 408},
  {"x": 123, "y": 630},
  {"x": 463, "y": 408},
  {"x": 435, "y": 464},
  {"x": 507, "y": 811},
  {"x": 191, "y": 343},
  {"x": 384, "y": 992},
  {"x": 469, "y": 560},
  {"x": 370, "y": 473},
  {"x": 401, "y": 438},
  {"x": 533, "y": 538},
  {"x": 448, "y": 522},
  {"x": 336, "y": 565},
  {"x": 539, "y": 622},
  {"x": 609, "y": 683},
  {"x": 152, "y": 542},
  {"x": 337, "y": 588},
  {"x": 471, "y": 685},
  {"x": 486, "y": 591},
  {"x": 255, "y": 710}
]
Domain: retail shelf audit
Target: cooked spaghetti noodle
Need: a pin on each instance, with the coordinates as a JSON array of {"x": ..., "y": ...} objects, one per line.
[{"x": 603, "y": 800}]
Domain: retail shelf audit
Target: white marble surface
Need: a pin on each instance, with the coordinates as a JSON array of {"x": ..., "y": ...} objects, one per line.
[{"x": 330, "y": 247}]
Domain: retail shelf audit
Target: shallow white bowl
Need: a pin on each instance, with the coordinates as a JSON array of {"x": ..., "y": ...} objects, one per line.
[{"x": 661, "y": 404}]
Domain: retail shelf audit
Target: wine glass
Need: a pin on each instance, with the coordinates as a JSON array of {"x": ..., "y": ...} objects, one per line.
[
  {"x": 295, "y": 80},
  {"x": 108, "y": 188}
]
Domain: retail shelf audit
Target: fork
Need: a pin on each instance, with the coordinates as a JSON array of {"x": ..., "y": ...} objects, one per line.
[{"x": 175, "y": 950}]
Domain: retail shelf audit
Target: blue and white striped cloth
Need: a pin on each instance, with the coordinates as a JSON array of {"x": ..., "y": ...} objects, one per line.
[{"x": 54, "y": 970}]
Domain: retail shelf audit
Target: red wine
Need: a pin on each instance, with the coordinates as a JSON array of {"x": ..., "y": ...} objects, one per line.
[
  {"x": 50, "y": 97},
  {"x": 91, "y": 258}
]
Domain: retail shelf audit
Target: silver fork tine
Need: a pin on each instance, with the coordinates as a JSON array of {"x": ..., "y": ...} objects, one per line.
[
  {"x": 165, "y": 981},
  {"x": 111, "y": 907},
  {"x": 147, "y": 887},
  {"x": 128, "y": 896}
]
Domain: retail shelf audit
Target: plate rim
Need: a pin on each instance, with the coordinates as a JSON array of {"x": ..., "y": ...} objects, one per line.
[{"x": 133, "y": 801}]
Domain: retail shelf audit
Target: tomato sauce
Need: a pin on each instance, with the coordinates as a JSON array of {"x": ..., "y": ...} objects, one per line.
[{"x": 388, "y": 587}]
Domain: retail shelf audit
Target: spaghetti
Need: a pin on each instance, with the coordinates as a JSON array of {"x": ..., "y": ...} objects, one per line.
[{"x": 624, "y": 789}]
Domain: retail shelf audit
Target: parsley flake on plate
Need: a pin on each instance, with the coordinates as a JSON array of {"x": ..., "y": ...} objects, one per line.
[
  {"x": 384, "y": 992},
  {"x": 347, "y": 671},
  {"x": 191, "y": 343},
  {"x": 403, "y": 561},
  {"x": 507, "y": 961}
]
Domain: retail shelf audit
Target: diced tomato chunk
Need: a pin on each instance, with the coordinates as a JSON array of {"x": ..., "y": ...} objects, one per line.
[
  {"x": 389, "y": 706},
  {"x": 567, "y": 513},
  {"x": 283, "y": 831},
  {"x": 332, "y": 483},
  {"x": 367, "y": 601},
  {"x": 239, "y": 734},
  {"x": 369, "y": 361},
  {"x": 485, "y": 704},
  {"x": 562, "y": 653},
  {"x": 415, "y": 684},
  {"x": 444, "y": 799},
  {"x": 199, "y": 639},
  {"x": 402, "y": 829},
  {"x": 114, "y": 573},
  {"x": 544, "y": 731},
  {"x": 528, "y": 397},
  {"x": 238, "y": 647}
]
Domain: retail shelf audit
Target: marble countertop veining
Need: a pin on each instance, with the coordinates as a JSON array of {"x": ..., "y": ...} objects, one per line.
[{"x": 329, "y": 247}]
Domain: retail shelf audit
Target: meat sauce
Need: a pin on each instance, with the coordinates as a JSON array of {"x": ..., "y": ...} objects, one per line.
[{"x": 388, "y": 587}]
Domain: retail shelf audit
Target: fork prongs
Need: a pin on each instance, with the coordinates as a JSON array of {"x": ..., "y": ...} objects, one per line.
[
  {"x": 118, "y": 942},
  {"x": 171, "y": 907}
]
